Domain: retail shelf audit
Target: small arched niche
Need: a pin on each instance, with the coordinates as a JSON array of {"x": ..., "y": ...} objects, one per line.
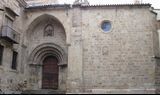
[{"x": 49, "y": 30}]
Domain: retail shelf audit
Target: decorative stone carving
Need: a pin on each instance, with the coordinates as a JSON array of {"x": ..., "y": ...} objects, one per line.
[{"x": 49, "y": 30}]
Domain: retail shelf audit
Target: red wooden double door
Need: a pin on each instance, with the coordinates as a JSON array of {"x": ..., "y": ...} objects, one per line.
[{"x": 50, "y": 73}]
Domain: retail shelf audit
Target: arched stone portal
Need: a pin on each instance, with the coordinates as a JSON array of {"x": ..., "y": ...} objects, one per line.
[
  {"x": 38, "y": 59},
  {"x": 41, "y": 46}
]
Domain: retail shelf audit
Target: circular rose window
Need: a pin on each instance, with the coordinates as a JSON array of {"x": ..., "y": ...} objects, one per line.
[{"x": 106, "y": 26}]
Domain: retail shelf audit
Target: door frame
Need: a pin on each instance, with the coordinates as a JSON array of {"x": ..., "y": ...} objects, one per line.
[
  {"x": 35, "y": 61},
  {"x": 57, "y": 72}
]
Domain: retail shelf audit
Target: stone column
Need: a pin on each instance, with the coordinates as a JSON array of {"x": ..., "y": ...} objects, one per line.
[{"x": 75, "y": 54}]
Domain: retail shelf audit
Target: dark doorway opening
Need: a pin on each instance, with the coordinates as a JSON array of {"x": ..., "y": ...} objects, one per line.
[{"x": 50, "y": 73}]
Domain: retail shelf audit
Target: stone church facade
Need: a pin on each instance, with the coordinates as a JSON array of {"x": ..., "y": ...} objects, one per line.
[{"x": 79, "y": 48}]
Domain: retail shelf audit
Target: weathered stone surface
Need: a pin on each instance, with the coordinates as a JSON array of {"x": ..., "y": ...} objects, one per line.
[
  {"x": 91, "y": 61},
  {"x": 122, "y": 58},
  {"x": 43, "y": 92}
]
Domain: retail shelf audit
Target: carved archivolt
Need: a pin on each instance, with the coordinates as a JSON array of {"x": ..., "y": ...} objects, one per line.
[{"x": 44, "y": 50}]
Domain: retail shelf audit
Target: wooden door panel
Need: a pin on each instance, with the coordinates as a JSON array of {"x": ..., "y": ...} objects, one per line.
[{"x": 50, "y": 73}]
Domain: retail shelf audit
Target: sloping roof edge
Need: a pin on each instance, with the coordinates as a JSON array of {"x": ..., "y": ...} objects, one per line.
[
  {"x": 107, "y": 5},
  {"x": 69, "y": 5},
  {"x": 48, "y": 6}
]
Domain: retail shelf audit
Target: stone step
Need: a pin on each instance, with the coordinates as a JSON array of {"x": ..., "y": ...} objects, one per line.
[{"x": 43, "y": 92}]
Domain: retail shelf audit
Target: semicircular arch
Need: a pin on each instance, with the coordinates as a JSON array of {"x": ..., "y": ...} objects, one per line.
[{"x": 44, "y": 50}]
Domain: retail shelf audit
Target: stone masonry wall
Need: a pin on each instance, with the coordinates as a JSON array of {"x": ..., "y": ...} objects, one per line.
[
  {"x": 120, "y": 61},
  {"x": 158, "y": 57},
  {"x": 11, "y": 4},
  {"x": 11, "y": 81}
]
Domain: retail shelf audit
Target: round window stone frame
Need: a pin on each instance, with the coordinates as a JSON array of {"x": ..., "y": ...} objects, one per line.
[{"x": 110, "y": 28}]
